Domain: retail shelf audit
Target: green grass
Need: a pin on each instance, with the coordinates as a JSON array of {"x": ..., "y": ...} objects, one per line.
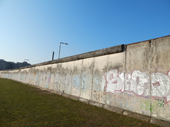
[{"x": 24, "y": 106}]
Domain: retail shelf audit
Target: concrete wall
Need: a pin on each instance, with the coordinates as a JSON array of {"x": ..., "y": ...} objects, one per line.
[{"x": 136, "y": 79}]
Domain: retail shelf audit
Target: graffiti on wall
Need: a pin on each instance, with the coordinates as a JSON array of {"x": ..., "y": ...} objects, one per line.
[
  {"x": 152, "y": 105},
  {"x": 138, "y": 83}
]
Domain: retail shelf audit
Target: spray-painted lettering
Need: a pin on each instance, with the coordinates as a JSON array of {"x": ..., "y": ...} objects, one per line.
[{"x": 138, "y": 83}]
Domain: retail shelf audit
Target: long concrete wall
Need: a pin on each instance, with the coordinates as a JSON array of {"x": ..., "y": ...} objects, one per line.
[{"x": 134, "y": 78}]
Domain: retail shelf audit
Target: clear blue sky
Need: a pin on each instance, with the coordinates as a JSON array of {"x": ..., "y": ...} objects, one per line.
[{"x": 33, "y": 29}]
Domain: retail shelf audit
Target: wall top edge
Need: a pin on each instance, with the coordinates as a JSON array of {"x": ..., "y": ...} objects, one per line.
[
  {"x": 148, "y": 40},
  {"x": 96, "y": 53}
]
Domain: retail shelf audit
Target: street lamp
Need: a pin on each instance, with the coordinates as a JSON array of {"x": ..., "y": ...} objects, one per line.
[{"x": 60, "y": 48}]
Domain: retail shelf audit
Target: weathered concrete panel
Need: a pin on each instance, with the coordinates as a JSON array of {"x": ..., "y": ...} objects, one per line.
[
  {"x": 115, "y": 80},
  {"x": 137, "y": 79},
  {"x": 60, "y": 77},
  {"x": 61, "y": 74},
  {"x": 15, "y": 74},
  {"x": 40, "y": 76},
  {"x": 99, "y": 82},
  {"x": 52, "y": 85},
  {"x": 31, "y": 76},
  {"x": 160, "y": 78},
  {"x": 160, "y": 52},
  {"x": 46, "y": 76},
  {"x": 37, "y": 76},
  {"x": 76, "y": 78},
  {"x": 24, "y": 75},
  {"x": 69, "y": 79},
  {"x": 65, "y": 86},
  {"x": 87, "y": 78},
  {"x": 34, "y": 78}
]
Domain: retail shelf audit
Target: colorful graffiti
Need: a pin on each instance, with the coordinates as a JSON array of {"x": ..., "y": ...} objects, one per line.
[
  {"x": 152, "y": 105},
  {"x": 138, "y": 83}
]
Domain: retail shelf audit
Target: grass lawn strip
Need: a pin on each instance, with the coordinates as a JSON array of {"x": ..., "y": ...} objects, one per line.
[{"x": 22, "y": 105}]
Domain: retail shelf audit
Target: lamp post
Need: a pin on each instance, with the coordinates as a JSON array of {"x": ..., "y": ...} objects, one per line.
[{"x": 60, "y": 48}]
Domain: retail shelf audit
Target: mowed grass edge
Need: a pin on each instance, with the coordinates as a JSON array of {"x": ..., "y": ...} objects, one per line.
[{"x": 22, "y": 105}]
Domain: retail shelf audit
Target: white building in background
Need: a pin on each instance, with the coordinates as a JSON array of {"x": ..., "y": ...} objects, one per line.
[{"x": 5, "y": 65}]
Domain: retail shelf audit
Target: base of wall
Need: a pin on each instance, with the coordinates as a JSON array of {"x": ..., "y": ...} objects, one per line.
[
  {"x": 96, "y": 104},
  {"x": 113, "y": 109},
  {"x": 74, "y": 97},
  {"x": 66, "y": 95},
  {"x": 121, "y": 111},
  {"x": 159, "y": 122},
  {"x": 145, "y": 118},
  {"x": 84, "y": 100},
  {"x": 137, "y": 116}
]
